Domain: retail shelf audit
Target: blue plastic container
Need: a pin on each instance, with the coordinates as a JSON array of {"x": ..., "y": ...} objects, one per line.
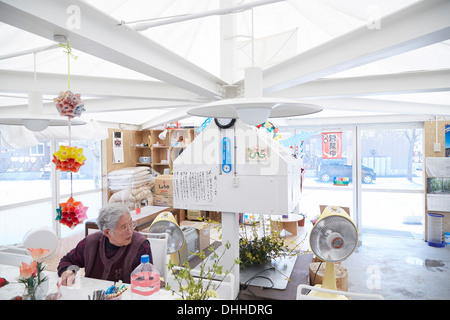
[{"x": 435, "y": 230}]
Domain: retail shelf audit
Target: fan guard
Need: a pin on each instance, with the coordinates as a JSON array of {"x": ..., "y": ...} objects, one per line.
[
  {"x": 176, "y": 237},
  {"x": 333, "y": 238}
]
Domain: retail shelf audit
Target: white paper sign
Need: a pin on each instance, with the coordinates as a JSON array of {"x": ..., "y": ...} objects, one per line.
[{"x": 196, "y": 186}]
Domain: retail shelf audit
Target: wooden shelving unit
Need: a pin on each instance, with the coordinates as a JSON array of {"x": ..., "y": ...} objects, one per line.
[{"x": 146, "y": 143}]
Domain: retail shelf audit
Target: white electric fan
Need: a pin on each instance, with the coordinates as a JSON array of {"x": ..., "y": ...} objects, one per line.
[
  {"x": 333, "y": 238},
  {"x": 165, "y": 223}
]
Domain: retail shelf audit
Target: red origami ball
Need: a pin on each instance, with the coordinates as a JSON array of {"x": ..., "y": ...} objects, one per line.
[{"x": 72, "y": 213}]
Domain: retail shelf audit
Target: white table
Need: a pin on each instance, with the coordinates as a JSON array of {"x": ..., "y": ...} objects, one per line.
[
  {"x": 79, "y": 291},
  {"x": 289, "y": 224}
]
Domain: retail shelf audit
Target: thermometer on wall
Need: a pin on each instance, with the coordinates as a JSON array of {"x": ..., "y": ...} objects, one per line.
[{"x": 226, "y": 155}]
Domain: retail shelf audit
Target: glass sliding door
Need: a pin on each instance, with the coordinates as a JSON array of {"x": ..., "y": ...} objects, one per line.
[
  {"x": 328, "y": 166},
  {"x": 393, "y": 202}
]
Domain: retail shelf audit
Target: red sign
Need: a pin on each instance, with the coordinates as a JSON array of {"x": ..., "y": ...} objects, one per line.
[{"x": 332, "y": 145}]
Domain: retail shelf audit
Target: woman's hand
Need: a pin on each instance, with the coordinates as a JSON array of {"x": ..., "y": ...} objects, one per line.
[{"x": 68, "y": 278}]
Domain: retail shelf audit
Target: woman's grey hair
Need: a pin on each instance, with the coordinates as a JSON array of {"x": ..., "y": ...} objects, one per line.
[{"x": 109, "y": 216}]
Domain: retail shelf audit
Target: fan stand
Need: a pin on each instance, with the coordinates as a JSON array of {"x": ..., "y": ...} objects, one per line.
[{"x": 329, "y": 282}]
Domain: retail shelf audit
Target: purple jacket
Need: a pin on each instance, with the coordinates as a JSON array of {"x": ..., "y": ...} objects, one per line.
[{"x": 103, "y": 260}]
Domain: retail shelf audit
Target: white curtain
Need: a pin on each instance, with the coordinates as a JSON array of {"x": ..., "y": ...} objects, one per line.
[
  {"x": 92, "y": 130},
  {"x": 19, "y": 137}
]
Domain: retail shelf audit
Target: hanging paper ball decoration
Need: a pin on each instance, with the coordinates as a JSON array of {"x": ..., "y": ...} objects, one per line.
[
  {"x": 69, "y": 158},
  {"x": 270, "y": 128},
  {"x": 71, "y": 213},
  {"x": 69, "y": 104}
]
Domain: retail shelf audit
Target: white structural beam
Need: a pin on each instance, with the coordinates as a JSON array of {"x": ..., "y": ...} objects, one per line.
[
  {"x": 227, "y": 43},
  {"x": 91, "y": 31},
  {"x": 317, "y": 124},
  {"x": 382, "y": 106},
  {"x": 401, "y": 83},
  {"x": 223, "y": 10},
  {"x": 22, "y": 82},
  {"x": 101, "y": 105},
  {"x": 419, "y": 25},
  {"x": 178, "y": 114}
]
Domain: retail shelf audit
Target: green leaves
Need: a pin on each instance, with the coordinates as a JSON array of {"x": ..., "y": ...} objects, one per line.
[
  {"x": 204, "y": 285},
  {"x": 261, "y": 244}
]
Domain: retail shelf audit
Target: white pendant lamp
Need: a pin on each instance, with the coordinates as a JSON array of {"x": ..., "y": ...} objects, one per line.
[
  {"x": 254, "y": 109},
  {"x": 35, "y": 119}
]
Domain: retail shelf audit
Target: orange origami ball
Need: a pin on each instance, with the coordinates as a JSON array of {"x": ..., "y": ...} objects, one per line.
[
  {"x": 69, "y": 158},
  {"x": 71, "y": 213}
]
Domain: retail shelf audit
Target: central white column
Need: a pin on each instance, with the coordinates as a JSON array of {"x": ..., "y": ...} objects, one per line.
[{"x": 230, "y": 233}]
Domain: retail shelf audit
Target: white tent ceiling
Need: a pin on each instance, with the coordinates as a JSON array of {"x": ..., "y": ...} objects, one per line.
[{"x": 360, "y": 60}]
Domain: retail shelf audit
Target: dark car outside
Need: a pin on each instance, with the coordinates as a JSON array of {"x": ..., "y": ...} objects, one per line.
[{"x": 327, "y": 169}]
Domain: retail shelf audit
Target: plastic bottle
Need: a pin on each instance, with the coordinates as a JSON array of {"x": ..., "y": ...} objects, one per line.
[{"x": 145, "y": 281}]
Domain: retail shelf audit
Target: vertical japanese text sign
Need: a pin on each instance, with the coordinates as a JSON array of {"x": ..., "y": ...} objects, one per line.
[{"x": 332, "y": 145}]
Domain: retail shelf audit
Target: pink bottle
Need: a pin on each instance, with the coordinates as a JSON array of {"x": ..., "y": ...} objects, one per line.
[{"x": 145, "y": 283}]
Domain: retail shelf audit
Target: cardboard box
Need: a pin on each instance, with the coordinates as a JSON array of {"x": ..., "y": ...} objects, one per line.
[
  {"x": 162, "y": 200},
  {"x": 195, "y": 215},
  {"x": 164, "y": 185},
  {"x": 204, "y": 238}
]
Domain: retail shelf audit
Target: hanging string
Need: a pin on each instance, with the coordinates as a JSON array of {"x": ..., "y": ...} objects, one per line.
[
  {"x": 253, "y": 41},
  {"x": 71, "y": 186},
  {"x": 68, "y": 63},
  {"x": 34, "y": 70},
  {"x": 68, "y": 117}
]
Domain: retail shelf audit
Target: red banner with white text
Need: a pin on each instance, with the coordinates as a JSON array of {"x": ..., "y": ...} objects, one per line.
[{"x": 332, "y": 145}]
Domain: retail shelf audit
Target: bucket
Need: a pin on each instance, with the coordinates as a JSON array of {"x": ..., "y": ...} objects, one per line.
[
  {"x": 435, "y": 230},
  {"x": 447, "y": 238}
]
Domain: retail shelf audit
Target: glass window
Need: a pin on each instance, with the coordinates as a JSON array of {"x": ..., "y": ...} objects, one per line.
[
  {"x": 16, "y": 221},
  {"x": 26, "y": 188},
  {"x": 25, "y": 174},
  {"x": 394, "y": 203},
  {"x": 392, "y": 191},
  {"x": 89, "y": 176},
  {"x": 322, "y": 168}
]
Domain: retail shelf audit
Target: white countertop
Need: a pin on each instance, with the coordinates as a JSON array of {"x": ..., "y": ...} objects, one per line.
[{"x": 82, "y": 288}]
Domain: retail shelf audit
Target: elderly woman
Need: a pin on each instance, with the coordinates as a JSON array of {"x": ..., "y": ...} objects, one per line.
[{"x": 111, "y": 254}]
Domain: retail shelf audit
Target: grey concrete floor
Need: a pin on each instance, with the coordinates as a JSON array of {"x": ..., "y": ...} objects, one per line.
[{"x": 399, "y": 268}]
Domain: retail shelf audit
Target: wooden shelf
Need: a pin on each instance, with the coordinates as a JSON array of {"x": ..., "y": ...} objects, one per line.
[{"x": 141, "y": 143}]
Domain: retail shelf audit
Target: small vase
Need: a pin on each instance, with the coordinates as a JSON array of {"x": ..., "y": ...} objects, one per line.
[{"x": 38, "y": 292}]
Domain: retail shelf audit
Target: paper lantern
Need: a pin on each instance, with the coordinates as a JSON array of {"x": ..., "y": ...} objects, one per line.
[
  {"x": 69, "y": 104},
  {"x": 71, "y": 213}
]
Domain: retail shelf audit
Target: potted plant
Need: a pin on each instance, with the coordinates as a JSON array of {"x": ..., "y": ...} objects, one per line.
[
  {"x": 260, "y": 245},
  {"x": 204, "y": 285}
]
